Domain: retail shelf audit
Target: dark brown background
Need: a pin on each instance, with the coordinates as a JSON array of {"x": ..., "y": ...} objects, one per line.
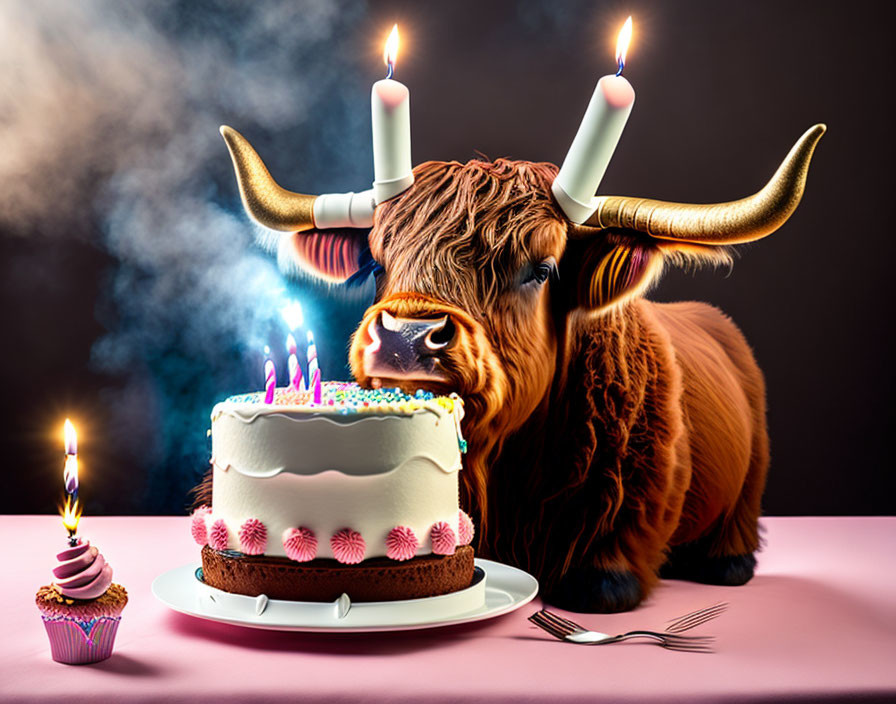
[{"x": 723, "y": 90}]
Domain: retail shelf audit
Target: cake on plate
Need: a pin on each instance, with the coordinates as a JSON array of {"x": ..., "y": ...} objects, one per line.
[{"x": 355, "y": 494}]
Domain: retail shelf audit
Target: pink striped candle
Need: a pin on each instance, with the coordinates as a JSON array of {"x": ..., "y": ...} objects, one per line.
[
  {"x": 312, "y": 358},
  {"x": 295, "y": 371},
  {"x": 316, "y": 386},
  {"x": 270, "y": 381}
]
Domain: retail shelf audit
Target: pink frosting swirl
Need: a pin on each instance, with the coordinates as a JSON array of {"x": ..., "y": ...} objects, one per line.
[
  {"x": 401, "y": 543},
  {"x": 465, "y": 528},
  {"x": 82, "y": 573},
  {"x": 443, "y": 539},
  {"x": 300, "y": 544},
  {"x": 253, "y": 536},
  {"x": 348, "y": 546}
]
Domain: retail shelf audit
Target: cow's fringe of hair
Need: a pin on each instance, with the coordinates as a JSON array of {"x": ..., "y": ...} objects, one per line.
[{"x": 467, "y": 218}]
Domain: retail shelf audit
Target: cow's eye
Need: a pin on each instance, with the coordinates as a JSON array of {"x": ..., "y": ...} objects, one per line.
[{"x": 539, "y": 273}]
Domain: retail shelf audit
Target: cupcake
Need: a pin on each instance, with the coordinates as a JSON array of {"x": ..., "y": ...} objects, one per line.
[{"x": 82, "y": 608}]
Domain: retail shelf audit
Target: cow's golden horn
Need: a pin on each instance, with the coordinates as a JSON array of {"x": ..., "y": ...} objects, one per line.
[
  {"x": 266, "y": 202},
  {"x": 735, "y": 222}
]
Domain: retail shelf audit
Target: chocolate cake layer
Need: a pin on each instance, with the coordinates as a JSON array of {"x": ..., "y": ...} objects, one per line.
[{"x": 377, "y": 579}]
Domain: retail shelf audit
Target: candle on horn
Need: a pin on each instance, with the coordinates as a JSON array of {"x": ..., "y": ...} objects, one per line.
[
  {"x": 594, "y": 143},
  {"x": 270, "y": 378},
  {"x": 390, "y": 115}
]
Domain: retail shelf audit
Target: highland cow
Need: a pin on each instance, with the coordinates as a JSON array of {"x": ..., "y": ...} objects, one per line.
[{"x": 612, "y": 440}]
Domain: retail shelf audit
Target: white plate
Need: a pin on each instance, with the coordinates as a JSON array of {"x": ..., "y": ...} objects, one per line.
[{"x": 500, "y": 589}]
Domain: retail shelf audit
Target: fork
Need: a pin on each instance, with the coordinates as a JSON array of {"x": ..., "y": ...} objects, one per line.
[{"x": 564, "y": 629}]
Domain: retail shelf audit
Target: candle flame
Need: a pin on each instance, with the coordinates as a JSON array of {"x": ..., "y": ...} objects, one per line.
[
  {"x": 390, "y": 50},
  {"x": 622, "y": 42},
  {"x": 71, "y": 438},
  {"x": 71, "y": 514},
  {"x": 70, "y": 474},
  {"x": 292, "y": 315}
]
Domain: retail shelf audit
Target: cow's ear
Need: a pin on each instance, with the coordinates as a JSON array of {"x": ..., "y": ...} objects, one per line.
[
  {"x": 608, "y": 267},
  {"x": 332, "y": 256}
]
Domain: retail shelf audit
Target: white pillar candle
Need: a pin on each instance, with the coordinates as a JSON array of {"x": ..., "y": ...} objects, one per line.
[
  {"x": 390, "y": 115},
  {"x": 335, "y": 210},
  {"x": 596, "y": 140}
]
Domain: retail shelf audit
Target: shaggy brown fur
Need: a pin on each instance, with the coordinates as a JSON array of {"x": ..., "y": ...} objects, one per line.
[{"x": 603, "y": 429}]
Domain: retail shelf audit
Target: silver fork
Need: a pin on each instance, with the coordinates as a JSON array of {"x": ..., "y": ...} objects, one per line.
[{"x": 564, "y": 629}]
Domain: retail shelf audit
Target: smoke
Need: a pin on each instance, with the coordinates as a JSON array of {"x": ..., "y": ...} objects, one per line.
[{"x": 108, "y": 132}]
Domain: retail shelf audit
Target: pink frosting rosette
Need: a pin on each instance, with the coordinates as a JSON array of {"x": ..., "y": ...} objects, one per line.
[{"x": 82, "y": 573}]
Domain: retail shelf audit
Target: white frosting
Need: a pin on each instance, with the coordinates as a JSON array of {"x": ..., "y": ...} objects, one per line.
[{"x": 370, "y": 472}]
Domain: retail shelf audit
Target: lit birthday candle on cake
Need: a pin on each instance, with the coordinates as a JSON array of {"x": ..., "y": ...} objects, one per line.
[
  {"x": 316, "y": 387},
  {"x": 390, "y": 115},
  {"x": 313, "y": 366},
  {"x": 270, "y": 378},
  {"x": 296, "y": 382},
  {"x": 596, "y": 140},
  {"x": 294, "y": 318}
]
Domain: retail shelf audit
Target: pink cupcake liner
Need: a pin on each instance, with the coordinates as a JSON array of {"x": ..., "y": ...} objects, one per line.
[{"x": 77, "y": 642}]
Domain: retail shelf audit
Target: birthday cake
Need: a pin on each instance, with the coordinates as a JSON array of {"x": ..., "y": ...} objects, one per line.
[{"x": 356, "y": 493}]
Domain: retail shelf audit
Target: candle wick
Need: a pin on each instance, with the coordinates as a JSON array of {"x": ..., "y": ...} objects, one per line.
[
  {"x": 621, "y": 66},
  {"x": 390, "y": 70}
]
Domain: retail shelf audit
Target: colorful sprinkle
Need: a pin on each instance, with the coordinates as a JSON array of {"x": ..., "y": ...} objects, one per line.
[{"x": 344, "y": 397}]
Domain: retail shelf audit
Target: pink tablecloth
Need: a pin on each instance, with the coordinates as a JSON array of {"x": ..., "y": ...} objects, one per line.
[{"x": 818, "y": 621}]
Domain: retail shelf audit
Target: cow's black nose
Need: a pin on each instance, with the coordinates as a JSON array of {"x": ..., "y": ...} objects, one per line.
[{"x": 408, "y": 347}]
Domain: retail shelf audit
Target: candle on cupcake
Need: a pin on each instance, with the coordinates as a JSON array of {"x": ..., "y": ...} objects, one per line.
[
  {"x": 594, "y": 143},
  {"x": 390, "y": 115}
]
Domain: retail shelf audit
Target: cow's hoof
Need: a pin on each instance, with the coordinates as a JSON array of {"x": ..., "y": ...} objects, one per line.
[
  {"x": 730, "y": 570},
  {"x": 595, "y": 591}
]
